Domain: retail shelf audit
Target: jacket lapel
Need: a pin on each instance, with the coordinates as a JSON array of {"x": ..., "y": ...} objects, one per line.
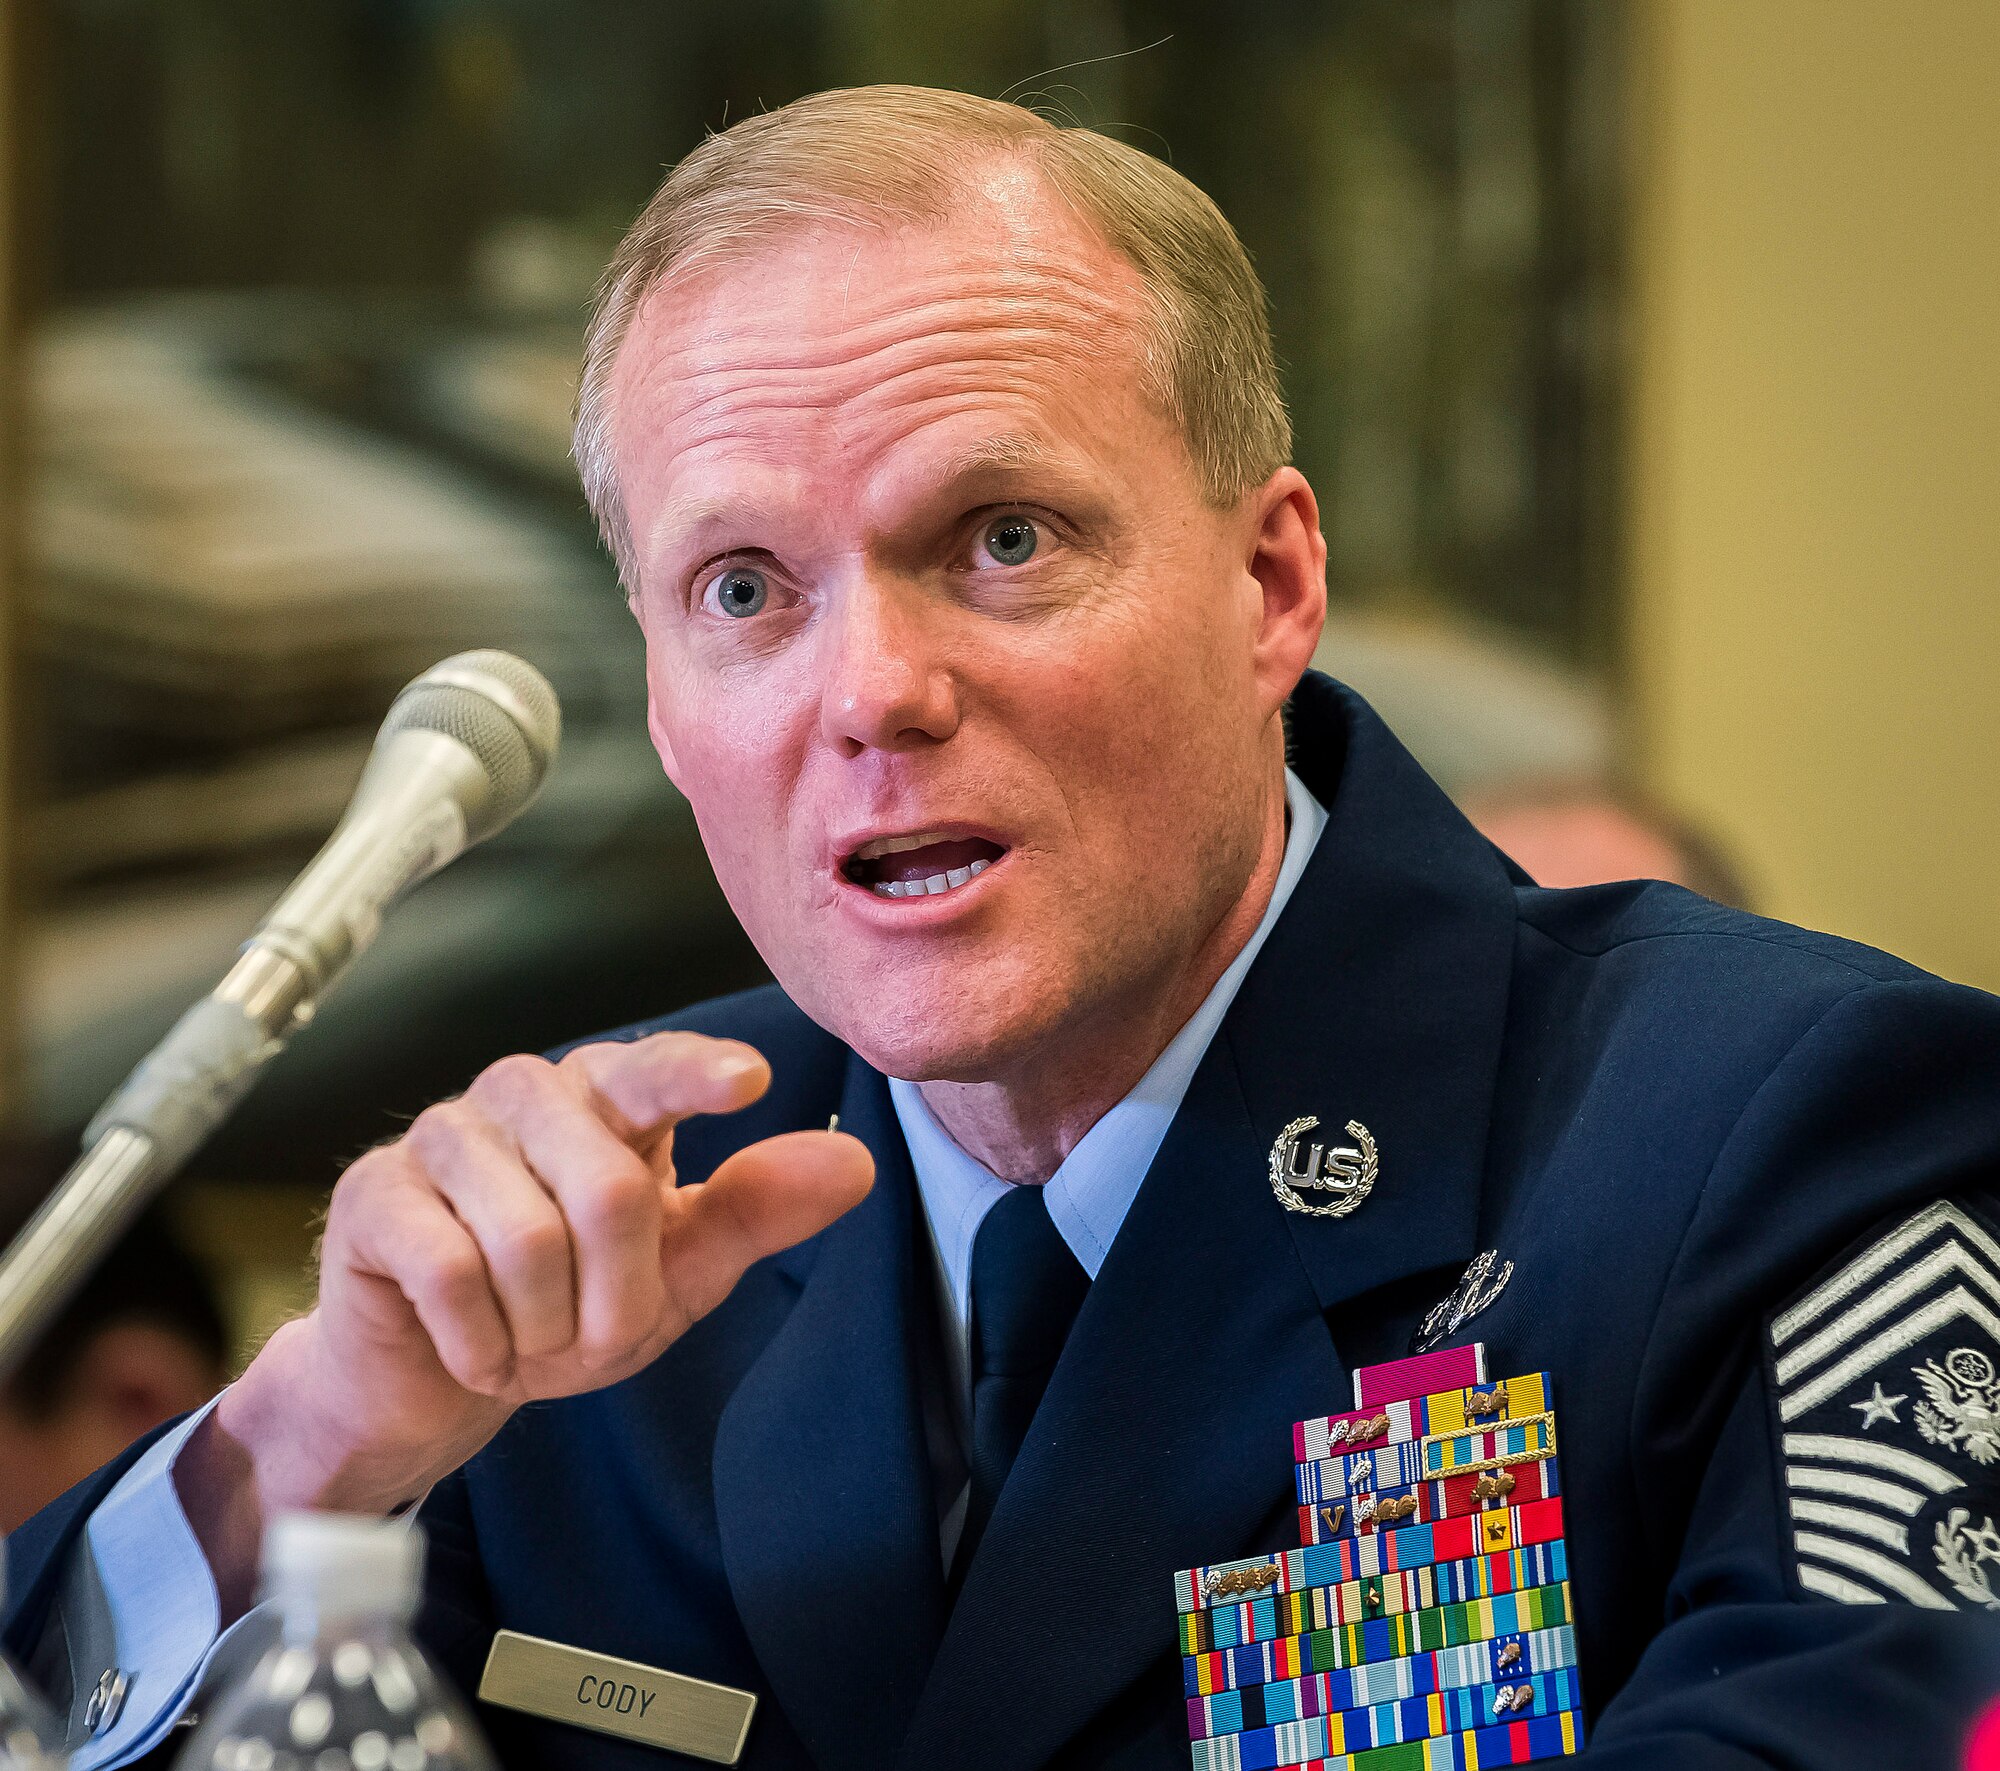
[
  {"x": 1164, "y": 1439},
  {"x": 1158, "y": 1445},
  {"x": 1382, "y": 996},
  {"x": 822, "y": 1479}
]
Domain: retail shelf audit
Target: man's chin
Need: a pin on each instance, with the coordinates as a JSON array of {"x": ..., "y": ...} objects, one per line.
[
  {"x": 920, "y": 1038},
  {"x": 926, "y": 1057}
]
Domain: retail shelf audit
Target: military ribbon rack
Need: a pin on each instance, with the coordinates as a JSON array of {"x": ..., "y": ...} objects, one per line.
[{"x": 1424, "y": 1622}]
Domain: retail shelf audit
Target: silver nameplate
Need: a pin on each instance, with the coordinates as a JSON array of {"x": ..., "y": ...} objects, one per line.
[{"x": 619, "y": 1697}]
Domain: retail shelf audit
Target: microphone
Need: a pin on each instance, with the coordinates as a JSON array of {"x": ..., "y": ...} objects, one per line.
[{"x": 463, "y": 750}]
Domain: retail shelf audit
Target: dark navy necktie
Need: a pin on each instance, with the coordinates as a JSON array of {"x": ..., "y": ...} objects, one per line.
[{"x": 1026, "y": 1290}]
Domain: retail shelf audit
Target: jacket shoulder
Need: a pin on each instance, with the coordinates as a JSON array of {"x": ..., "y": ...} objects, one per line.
[
  {"x": 1655, "y": 954},
  {"x": 1709, "y": 1043},
  {"x": 1649, "y": 923}
]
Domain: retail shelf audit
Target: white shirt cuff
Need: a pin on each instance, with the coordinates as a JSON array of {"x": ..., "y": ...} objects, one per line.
[{"x": 138, "y": 1600}]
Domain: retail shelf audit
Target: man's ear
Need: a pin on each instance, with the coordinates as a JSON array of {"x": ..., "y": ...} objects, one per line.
[{"x": 1287, "y": 558}]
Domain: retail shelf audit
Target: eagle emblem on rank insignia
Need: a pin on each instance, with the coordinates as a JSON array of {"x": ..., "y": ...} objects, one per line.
[
  {"x": 1964, "y": 1406},
  {"x": 1885, "y": 1385}
]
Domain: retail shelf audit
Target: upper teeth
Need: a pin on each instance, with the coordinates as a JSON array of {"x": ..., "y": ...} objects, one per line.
[
  {"x": 895, "y": 845},
  {"x": 937, "y": 882}
]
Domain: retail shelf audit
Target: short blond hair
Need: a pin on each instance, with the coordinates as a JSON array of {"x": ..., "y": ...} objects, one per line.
[{"x": 899, "y": 154}]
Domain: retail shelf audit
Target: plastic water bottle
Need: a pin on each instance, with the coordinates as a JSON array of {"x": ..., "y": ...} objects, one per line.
[
  {"x": 31, "y": 1739},
  {"x": 30, "y": 1736},
  {"x": 344, "y": 1687}
]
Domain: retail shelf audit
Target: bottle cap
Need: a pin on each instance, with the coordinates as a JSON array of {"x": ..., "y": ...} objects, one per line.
[{"x": 343, "y": 1564}]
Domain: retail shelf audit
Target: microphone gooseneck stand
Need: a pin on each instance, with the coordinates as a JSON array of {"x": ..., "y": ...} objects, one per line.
[
  {"x": 144, "y": 1133},
  {"x": 464, "y": 748}
]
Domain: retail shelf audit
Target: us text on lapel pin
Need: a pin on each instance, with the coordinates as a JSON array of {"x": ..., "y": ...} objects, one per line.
[{"x": 1347, "y": 1172}]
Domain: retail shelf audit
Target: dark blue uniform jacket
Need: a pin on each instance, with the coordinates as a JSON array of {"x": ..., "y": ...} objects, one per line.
[{"x": 1674, "y": 1119}]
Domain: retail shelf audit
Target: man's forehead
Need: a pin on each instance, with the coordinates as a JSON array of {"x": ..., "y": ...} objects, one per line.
[
  {"x": 923, "y": 351},
  {"x": 825, "y": 314}
]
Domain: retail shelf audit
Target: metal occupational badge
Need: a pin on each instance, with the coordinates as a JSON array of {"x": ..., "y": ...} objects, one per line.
[
  {"x": 1885, "y": 1383},
  {"x": 1343, "y": 1172},
  {"x": 1426, "y": 1618},
  {"x": 1479, "y": 1285}
]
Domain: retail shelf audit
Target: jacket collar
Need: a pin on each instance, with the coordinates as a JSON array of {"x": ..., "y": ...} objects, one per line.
[
  {"x": 1382, "y": 996},
  {"x": 1164, "y": 1438}
]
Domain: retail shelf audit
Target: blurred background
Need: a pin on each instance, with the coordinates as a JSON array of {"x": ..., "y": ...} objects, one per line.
[{"x": 1643, "y": 353}]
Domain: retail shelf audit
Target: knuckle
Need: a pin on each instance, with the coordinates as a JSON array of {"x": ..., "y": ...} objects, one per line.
[
  {"x": 580, "y": 1058},
  {"x": 483, "y": 1373},
  {"x": 512, "y": 1082},
  {"x": 365, "y": 1173},
  {"x": 694, "y": 1053},
  {"x": 453, "y": 1280},
  {"x": 354, "y": 1181},
  {"x": 600, "y": 1352},
  {"x": 614, "y": 1345},
  {"x": 617, "y": 1205},
  {"x": 679, "y": 1042},
  {"x": 529, "y": 1244},
  {"x": 441, "y": 1125},
  {"x": 361, "y": 1184}
]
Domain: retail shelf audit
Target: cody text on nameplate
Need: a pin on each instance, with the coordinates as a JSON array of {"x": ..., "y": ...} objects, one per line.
[{"x": 619, "y": 1697}]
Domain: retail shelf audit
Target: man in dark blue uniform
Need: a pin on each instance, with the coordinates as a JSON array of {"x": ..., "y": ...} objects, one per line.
[{"x": 942, "y": 455}]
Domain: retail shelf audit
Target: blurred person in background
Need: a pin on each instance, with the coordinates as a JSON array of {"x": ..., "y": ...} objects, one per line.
[
  {"x": 1579, "y": 833},
  {"x": 143, "y": 1340}
]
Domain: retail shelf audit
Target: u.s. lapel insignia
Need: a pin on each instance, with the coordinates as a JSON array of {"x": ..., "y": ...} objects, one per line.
[
  {"x": 1477, "y": 1287},
  {"x": 1343, "y": 1171}
]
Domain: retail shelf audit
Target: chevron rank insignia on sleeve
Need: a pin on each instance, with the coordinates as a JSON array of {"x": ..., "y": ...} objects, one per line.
[{"x": 1885, "y": 1379}]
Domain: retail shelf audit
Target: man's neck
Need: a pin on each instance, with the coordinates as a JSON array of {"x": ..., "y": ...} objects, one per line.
[{"x": 1023, "y": 1126}]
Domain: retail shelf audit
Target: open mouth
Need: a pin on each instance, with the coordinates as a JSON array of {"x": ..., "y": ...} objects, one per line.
[{"x": 925, "y": 865}]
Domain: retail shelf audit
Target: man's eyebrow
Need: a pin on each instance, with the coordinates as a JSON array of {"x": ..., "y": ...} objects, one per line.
[
  {"x": 681, "y": 516},
  {"x": 1022, "y": 452},
  {"x": 983, "y": 470}
]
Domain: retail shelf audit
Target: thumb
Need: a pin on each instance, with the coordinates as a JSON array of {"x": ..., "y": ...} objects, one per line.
[{"x": 764, "y": 1198}]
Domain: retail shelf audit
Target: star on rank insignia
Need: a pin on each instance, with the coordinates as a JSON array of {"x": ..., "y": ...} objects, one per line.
[{"x": 1885, "y": 1385}]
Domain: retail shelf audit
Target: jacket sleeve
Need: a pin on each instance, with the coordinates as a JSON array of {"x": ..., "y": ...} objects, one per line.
[
  {"x": 456, "y": 1624},
  {"x": 1816, "y": 1436},
  {"x": 112, "y": 1586},
  {"x": 39, "y": 1549},
  {"x": 110, "y": 1580}
]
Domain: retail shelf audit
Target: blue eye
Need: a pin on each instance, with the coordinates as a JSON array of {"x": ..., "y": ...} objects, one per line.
[
  {"x": 1010, "y": 541},
  {"x": 740, "y": 591}
]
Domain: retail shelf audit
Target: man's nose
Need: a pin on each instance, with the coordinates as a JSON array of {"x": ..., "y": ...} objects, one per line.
[{"x": 883, "y": 683}]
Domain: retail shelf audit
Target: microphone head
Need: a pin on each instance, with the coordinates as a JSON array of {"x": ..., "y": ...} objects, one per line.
[{"x": 502, "y": 710}]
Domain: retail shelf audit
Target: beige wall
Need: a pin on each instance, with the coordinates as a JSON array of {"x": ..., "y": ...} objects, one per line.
[{"x": 1814, "y": 648}]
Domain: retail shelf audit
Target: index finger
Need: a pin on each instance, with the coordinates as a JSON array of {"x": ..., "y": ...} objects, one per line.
[{"x": 642, "y": 1088}]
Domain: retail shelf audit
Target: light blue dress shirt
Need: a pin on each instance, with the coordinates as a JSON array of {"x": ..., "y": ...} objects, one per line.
[
  {"x": 1089, "y": 1195},
  {"x": 140, "y": 1597}
]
